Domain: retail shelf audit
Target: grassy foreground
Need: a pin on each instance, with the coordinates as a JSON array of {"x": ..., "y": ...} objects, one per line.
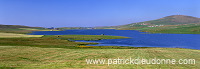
[
  {"x": 60, "y": 58},
  {"x": 56, "y": 52}
]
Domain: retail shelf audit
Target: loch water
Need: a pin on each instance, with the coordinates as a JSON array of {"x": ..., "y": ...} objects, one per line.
[{"x": 137, "y": 39}]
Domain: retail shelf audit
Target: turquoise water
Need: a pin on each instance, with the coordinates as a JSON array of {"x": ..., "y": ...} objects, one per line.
[{"x": 138, "y": 39}]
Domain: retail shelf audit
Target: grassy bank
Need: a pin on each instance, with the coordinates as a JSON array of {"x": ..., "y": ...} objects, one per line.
[
  {"x": 182, "y": 29},
  {"x": 13, "y": 35},
  {"x": 56, "y": 41},
  {"x": 60, "y": 58}
]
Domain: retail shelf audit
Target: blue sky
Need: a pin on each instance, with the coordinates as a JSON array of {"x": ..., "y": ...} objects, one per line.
[{"x": 91, "y": 13}]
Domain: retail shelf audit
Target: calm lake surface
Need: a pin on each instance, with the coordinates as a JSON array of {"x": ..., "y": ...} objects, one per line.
[{"x": 138, "y": 39}]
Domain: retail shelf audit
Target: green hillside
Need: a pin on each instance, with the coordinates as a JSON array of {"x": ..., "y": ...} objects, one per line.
[
  {"x": 179, "y": 24},
  {"x": 20, "y": 29}
]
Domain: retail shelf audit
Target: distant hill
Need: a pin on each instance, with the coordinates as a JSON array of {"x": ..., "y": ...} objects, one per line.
[
  {"x": 174, "y": 20},
  {"x": 15, "y": 26},
  {"x": 19, "y": 29},
  {"x": 168, "y": 24},
  {"x": 67, "y": 28},
  {"x": 180, "y": 19}
]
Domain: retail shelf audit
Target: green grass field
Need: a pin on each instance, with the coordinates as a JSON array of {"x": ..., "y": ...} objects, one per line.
[
  {"x": 173, "y": 29},
  {"x": 57, "y": 52},
  {"x": 21, "y": 29},
  {"x": 177, "y": 30},
  {"x": 13, "y": 35},
  {"x": 60, "y": 58}
]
